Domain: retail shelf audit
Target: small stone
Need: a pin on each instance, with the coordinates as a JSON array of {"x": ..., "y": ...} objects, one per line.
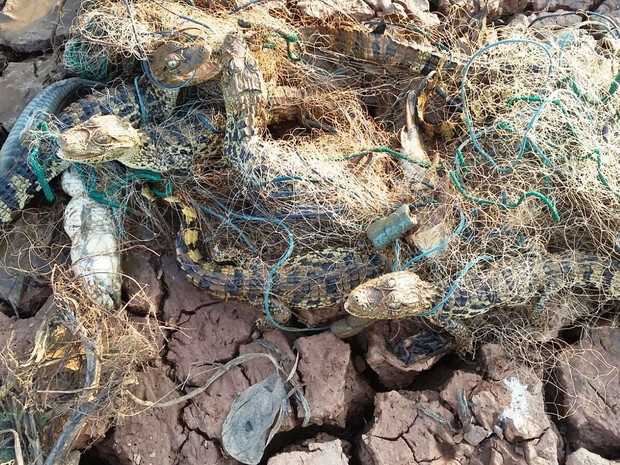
[
  {"x": 610, "y": 8},
  {"x": 396, "y": 11},
  {"x": 419, "y": 11},
  {"x": 183, "y": 296},
  {"x": 584, "y": 457},
  {"x": 19, "y": 84},
  {"x": 142, "y": 287},
  {"x": 135, "y": 435},
  {"x": 211, "y": 335},
  {"x": 407, "y": 429},
  {"x": 475, "y": 434},
  {"x": 554, "y": 5},
  {"x": 392, "y": 371},
  {"x": 331, "y": 452},
  {"x": 335, "y": 391},
  {"x": 331, "y": 9},
  {"x": 589, "y": 392},
  {"x": 26, "y": 26},
  {"x": 199, "y": 451}
]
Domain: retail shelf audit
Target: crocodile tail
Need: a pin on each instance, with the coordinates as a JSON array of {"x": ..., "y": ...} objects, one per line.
[
  {"x": 379, "y": 48},
  {"x": 220, "y": 281},
  {"x": 48, "y": 101},
  {"x": 585, "y": 269}
]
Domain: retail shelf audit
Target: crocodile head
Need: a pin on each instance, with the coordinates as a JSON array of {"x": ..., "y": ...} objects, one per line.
[
  {"x": 393, "y": 295},
  {"x": 99, "y": 139},
  {"x": 173, "y": 63}
]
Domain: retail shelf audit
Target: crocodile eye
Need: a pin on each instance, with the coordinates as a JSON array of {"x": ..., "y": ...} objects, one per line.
[
  {"x": 173, "y": 64},
  {"x": 102, "y": 139}
]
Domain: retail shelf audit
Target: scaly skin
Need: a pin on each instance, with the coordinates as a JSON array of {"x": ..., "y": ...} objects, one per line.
[
  {"x": 20, "y": 182},
  {"x": 176, "y": 64},
  {"x": 178, "y": 144},
  {"x": 350, "y": 41},
  {"x": 404, "y": 294},
  {"x": 314, "y": 280},
  {"x": 357, "y": 43}
]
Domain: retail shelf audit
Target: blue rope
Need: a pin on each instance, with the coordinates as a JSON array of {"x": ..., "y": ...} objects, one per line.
[
  {"x": 229, "y": 223},
  {"x": 456, "y": 232},
  {"x": 245, "y": 5},
  {"x": 143, "y": 112},
  {"x": 396, "y": 255},
  {"x": 272, "y": 271},
  {"x": 472, "y": 134},
  {"x": 454, "y": 284}
]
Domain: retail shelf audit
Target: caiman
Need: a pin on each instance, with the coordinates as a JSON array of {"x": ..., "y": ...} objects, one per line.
[{"x": 404, "y": 294}]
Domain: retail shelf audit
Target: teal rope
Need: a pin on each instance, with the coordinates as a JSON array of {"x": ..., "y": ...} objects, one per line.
[
  {"x": 466, "y": 113},
  {"x": 143, "y": 111},
  {"x": 39, "y": 171},
  {"x": 425, "y": 254},
  {"x": 272, "y": 271},
  {"x": 454, "y": 284}
]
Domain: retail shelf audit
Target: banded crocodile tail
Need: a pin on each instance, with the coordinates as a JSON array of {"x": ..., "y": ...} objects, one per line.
[
  {"x": 570, "y": 269},
  {"x": 379, "y": 48},
  {"x": 50, "y": 100},
  {"x": 313, "y": 280},
  {"x": 19, "y": 183}
]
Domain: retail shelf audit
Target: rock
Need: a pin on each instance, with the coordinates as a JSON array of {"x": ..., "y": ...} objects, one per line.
[
  {"x": 20, "y": 83},
  {"x": 567, "y": 308},
  {"x": 418, "y": 10},
  {"x": 26, "y": 26},
  {"x": 27, "y": 255},
  {"x": 275, "y": 343},
  {"x": 153, "y": 436},
  {"x": 211, "y": 335},
  {"x": 513, "y": 406},
  {"x": 610, "y": 8},
  {"x": 183, "y": 296},
  {"x": 585, "y": 457},
  {"x": 331, "y": 452},
  {"x": 554, "y": 5},
  {"x": 493, "y": 358},
  {"x": 17, "y": 336},
  {"x": 589, "y": 392},
  {"x": 334, "y": 390},
  {"x": 558, "y": 19},
  {"x": 500, "y": 422},
  {"x": 143, "y": 289},
  {"x": 392, "y": 371},
  {"x": 199, "y": 451},
  {"x": 495, "y": 8},
  {"x": 4, "y": 61},
  {"x": 395, "y": 11},
  {"x": 316, "y": 316},
  {"x": 331, "y": 9},
  {"x": 207, "y": 412},
  {"x": 405, "y": 430},
  {"x": 379, "y": 5}
]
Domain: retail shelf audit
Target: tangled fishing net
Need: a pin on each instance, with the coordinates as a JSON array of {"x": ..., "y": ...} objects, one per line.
[
  {"x": 74, "y": 379},
  {"x": 529, "y": 114},
  {"x": 522, "y": 140}
]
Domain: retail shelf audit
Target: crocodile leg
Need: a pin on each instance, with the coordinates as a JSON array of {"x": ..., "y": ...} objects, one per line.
[
  {"x": 463, "y": 337},
  {"x": 279, "y": 312},
  {"x": 539, "y": 314}
]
